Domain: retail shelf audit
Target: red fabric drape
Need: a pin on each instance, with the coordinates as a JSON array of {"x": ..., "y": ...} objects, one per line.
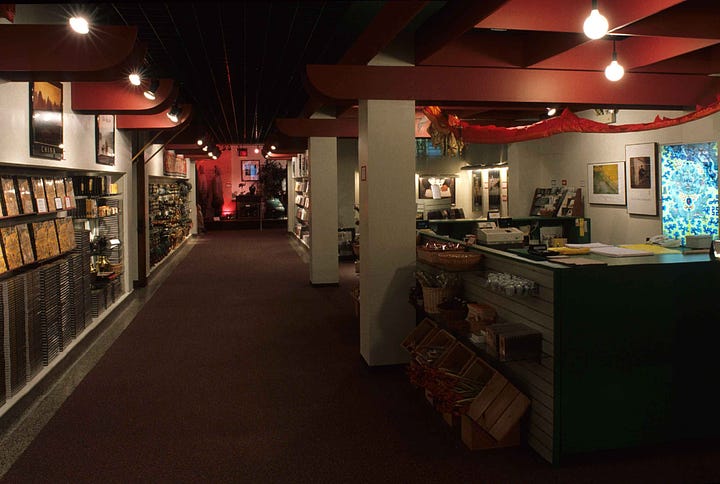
[
  {"x": 7, "y": 11},
  {"x": 567, "y": 122}
]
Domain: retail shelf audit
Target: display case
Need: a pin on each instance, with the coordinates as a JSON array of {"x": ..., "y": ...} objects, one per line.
[
  {"x": 301, "y": 172},
  {"x": 169, "y": 215},
  {"x": 47, "y": 276}
]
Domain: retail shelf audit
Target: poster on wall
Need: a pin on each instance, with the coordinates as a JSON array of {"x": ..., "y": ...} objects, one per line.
[
  {"x": 641, "y": 176},
  {"x": 250, "y": 170},
  {"x": 46, "y": 120},
  {"x": 493, "y": 183},
  {"x": 174, "y": 165},
  {"x": 689, "y": 190},
  {"x": 606, "y": 183},
  {"x": 477, "y": 191},
  {"x": 105, "y": 139},
  {"x": 436, "y": 187}
]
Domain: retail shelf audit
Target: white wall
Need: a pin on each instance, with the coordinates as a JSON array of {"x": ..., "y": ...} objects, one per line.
[
  {"x": 565, "y": 157},
  {"x": 79, "y": 141}
]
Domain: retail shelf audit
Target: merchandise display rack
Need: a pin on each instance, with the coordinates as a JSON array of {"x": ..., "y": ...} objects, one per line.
[
  {"x": 170, "y": 221},
  {"x": 301, "y": 176},
  {"x": 46, "y": 283}
]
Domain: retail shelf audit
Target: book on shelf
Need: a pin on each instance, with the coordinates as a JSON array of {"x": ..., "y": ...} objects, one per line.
[
  {"x": 11, "y": 243},
  {"x": 26, "y": 198},
  {"x": 26, "y": 248},
  {"x": 9, "y": 196}
]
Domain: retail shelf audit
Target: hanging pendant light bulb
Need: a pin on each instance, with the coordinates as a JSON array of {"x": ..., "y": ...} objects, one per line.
[
  {"x": 595, "y": 26},
  {"x": 614, "y": 71}
]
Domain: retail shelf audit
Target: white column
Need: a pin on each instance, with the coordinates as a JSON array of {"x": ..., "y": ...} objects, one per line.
[
  {"x": 324, "y": 267},
  {"x": 386, "y": 155}
]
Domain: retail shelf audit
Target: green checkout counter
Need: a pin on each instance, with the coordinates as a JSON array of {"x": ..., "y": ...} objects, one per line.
[{"x": 629, "y": 347}]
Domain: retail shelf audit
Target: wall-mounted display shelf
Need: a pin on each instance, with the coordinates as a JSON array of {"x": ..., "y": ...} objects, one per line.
[
  {"x": 170, "y": 221},
  {"x": 301, "y": 170},
  {"x": 46, "y": 283}
]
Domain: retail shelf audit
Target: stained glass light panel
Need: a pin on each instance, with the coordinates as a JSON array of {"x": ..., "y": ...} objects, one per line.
[{"x": 689, "y": 190}]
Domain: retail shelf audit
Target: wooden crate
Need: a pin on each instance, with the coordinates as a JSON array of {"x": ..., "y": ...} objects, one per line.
[
  {"x": 479, "y": 371},
  {"x": 457, "y": 358},
  {"x": 497, "y": 412},
  {"x": 423, "y": 331}
]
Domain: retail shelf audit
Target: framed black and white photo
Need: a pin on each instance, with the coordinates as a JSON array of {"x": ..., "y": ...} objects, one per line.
[
  {"x": 46, "y": 120},
  {"x": 105, "y": 139},
  {"x": 641, "y": 173}
]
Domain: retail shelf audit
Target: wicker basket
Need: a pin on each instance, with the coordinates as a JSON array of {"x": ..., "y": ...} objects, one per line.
[
  {"x": 458, "y": 261},
  {"x": 431, "y": 256},
  {"x": 432, "y": 296}
]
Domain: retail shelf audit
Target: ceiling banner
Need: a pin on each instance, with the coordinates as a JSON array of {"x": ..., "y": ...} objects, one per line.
[{"x": 567, "y": 122}]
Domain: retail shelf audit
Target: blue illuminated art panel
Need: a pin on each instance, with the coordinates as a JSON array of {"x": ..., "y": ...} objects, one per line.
[{"x": 689, "y": 190}]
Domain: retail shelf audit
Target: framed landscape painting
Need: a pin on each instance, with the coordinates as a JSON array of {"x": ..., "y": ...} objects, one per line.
[{"x": 606, "y": 183}]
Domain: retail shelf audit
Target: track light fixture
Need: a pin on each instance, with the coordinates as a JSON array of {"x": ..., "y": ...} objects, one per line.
[
  {"x": 200, "y": 142},
  {"x": 595, "y": 26},
  {"x": 135, "y": 79},
  {"x": 79, "y": 25},
  {"x": 174, "y": 113},
  {"x": 152, "y": 89},
  {"x": 614, "y": 71}
]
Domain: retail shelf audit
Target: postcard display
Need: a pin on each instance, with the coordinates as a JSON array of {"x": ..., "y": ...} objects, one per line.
[
  {"x": 45, "y": 274},
  {"x": 170, "y": 221}
]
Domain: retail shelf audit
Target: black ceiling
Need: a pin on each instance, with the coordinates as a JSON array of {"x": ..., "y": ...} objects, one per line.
[{"x": 241, "y": 64}]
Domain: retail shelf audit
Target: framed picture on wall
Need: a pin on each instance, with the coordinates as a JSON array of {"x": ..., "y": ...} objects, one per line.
[
  {"x": 46, "y": 120},
  {"x": 105, "y": 139},
  {"x": 436, "y": 187},
  {"x": 606, "y": 183},
  {"x": 250, "y": 170},
  {"x": 641, "y": 174}
]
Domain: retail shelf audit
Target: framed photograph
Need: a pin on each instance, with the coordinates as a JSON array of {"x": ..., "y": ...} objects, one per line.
[
  {"x": 641, "y": 175},
  {"x": 46, "y": 120},
  {"x": 250, "y": 170},
  {"x": 436, "y": 187},
  {"x": 105, "y": 139},
  {"x": 606, "y": 183}
]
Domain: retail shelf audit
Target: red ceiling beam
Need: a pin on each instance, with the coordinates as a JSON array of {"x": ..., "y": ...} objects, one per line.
[
  {"x": 384, "y": 27},
  {"x": 153, "y": 121},
  {"x": 453, "y": 20},
  {"x": 121, "y": 97},
  {"x": 304, "y": 128},
  {"x": 696, "y": 19},
  {"x": 55, "y": 53},
  {"x": 568, "y": 16},
  {"x": 425, "y": 83}
]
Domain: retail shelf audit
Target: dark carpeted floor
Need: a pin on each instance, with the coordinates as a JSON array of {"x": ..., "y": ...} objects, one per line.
[{"x": 237, "y": 370}]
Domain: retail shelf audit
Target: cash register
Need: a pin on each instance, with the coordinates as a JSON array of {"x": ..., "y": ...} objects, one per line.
[{"x": 488, "y": 233}]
